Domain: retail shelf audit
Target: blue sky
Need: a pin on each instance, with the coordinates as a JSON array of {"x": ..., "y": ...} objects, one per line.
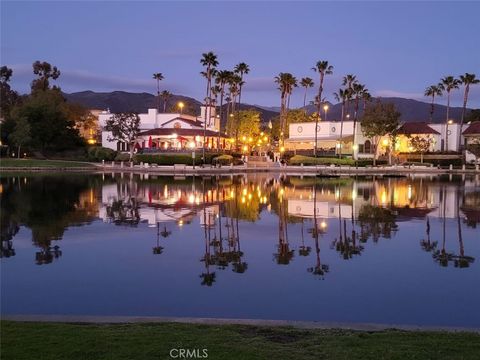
[{"x": 395, "y": 48}]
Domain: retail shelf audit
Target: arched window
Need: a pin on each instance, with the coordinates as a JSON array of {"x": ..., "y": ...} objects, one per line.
[{"x": 367, "y": 147}]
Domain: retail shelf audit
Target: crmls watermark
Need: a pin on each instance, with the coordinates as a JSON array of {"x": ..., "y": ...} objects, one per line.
[{"x": 188, "y": 353}]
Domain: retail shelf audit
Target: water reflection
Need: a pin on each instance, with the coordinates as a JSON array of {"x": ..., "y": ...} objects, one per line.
[{"x": 340, "y": 213}]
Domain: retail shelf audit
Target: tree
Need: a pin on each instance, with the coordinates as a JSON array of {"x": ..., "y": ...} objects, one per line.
[
  {"x": 358, "y": 90},
  {"x": 158, "y": 77},
  {"x": 247, "y": 124},
  {"x": 306, "y": 83},
  {"x": 21, "y": 134},
  {"x": 420, "y": 144},
  {"x": 286, "y": 82},
  {"x": 466, "y": 80},
  {"x": 124, "y": 127},
  {"x": 209, "y": 61},
  {"x": 341, "y": 96},
  {"x": 241, "y": 69},
  {"x": 7, "y": 95},
  {"x": 51, "y": 125},
  {"x": 323, "y": 68},
  {"x": 348, "y": 81},
  {"x": 293, "y": 116},
  {"x": 45, "y": 72},
  {"x": 379, "y": 120},
  {"x": 165, "y": 95},
  {"x": 473, "y": 116},
  {"x": 434, "y": 90},
  {"x": 221, "y": 80},
  {"x": 450, "y": 83}
]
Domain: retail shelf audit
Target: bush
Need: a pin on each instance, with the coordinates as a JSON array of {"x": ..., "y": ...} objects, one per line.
[
  {"x": 223, "y": 160},
  {"x": 309, "y": 161},
  {"x": 98, "y": 153},
  {"x": 172, "y": 159},
  {"x": 122, "y": 157}
]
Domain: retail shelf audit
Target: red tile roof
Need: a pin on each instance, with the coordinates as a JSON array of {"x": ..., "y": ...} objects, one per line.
[
  {"x": 416, "y": 128},
  {"x": 473, "y": 128}
]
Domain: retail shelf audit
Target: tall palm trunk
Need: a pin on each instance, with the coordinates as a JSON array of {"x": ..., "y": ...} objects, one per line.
[
  {"x": 465, "y": 98},
  {"x": 158, "y": 94},
  {"x": 319, "y": 105},
  {"x": 207, "y": 104},
  {"x": 305, "y": 101},
  {"x": 341, "y": 130},
  {"x": 221, "y": 114},
  {"x": 446, "y": 124},
  {"x": 357, "y": 99},
  {"x": 432, "y": 107}
]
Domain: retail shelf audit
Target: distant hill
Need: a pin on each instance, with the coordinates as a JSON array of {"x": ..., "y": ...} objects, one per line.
[
  {"x": 120, "y": 101},
  {"x": 411, "y": 110}
]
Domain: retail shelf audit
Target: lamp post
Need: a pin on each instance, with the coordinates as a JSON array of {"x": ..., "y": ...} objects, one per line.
[
  {"x": 325, "y": 108},
  {"x": 449, "y": 122},
  {"x": 181, "y": 105}
]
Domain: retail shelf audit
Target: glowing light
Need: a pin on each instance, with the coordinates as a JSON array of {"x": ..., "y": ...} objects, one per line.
[
  {"x": 244, "y": 138},
  {"x": 323, "y": 224},
  {"x": 354, "y": 194},
  {"x": 385, "y": 142},
  {"x": 191, "y": 144},
  {"x": 244, "y": 192},
  {"x": 191, "y": 199},
  {"x": 174, "y": 136},
  {"x": 282, "y": 149},
  {"x": 180, "y": 223},
  {"x": 384, "y": 197},
  {"x": 355, "y": 147},
  {"x": 243, "y": 200},
  {"x": 337, "y": 145},
  {"x": 409, "y": 192},
  {"x": 265, "y": 138},
  {"x": 245, "y": 148},
  {"x": 325, "y": 107},
  {"x": 450, "y": 122},
  {"x": 91, "y": 141}
]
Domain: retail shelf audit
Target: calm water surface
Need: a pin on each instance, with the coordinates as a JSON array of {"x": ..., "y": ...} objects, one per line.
[{"x": 384, "y": 250}]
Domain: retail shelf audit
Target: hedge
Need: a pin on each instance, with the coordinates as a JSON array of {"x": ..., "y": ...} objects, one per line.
[
  {"x": 172, "y": 159},
  {"x": 223, "y": 160},
  {"x": 99, "y": 153},
  {"x": 309, "y": 161}
]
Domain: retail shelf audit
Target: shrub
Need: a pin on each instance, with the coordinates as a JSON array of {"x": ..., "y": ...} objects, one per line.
[
  {"x": 172, "y": 159},
  {"x": 98, "y": 153},
  {"x": 223, "y": 160},
  {"x": 122, "y": 157},
  {"x": 309, "y": 161}
]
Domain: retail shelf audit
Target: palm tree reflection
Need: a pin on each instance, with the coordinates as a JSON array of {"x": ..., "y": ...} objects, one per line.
[{"x": 319, "y": 269}]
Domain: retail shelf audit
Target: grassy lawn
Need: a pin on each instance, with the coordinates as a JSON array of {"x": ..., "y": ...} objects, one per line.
[
  {"x": 154, "y": 341},
  {"x": 41, "y": 163}
]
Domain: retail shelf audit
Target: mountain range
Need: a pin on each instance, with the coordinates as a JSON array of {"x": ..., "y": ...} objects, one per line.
[{"x": 121, "y": 101}]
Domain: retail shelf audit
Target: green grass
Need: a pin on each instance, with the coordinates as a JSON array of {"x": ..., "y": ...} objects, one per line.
[
  {"x": 25, "y": 163},
  {"x": 154, "y": 341}
]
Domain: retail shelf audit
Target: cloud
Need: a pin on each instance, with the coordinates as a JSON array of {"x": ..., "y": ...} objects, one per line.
[{"x": 80, "y": 80}]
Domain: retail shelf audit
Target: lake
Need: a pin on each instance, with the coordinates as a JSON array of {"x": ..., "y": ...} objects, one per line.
[{"x": 378, "y": 250}]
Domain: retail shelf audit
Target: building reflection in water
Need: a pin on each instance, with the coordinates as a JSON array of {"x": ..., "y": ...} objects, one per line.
[{"x": 345, "y": 213}]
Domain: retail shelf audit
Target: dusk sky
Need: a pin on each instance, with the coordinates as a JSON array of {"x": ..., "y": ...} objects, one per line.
[{"x": 395, "y": 49}]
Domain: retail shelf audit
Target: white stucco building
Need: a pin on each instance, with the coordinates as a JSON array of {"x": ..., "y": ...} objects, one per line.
[{"x": 170, "y": 131}]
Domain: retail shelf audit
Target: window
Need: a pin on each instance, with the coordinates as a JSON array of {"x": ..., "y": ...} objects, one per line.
[
  {"x": 177, "y": 125},
  {"x": 368, "y": 147}
]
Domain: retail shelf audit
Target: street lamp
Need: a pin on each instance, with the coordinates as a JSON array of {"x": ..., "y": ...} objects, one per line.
[
  {"x": 325, "y": 108},
  {"x": 181, "y": 105}
]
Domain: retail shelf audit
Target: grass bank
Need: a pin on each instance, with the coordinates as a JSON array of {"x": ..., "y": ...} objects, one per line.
[
  {"x": 154, "y": 341},
  {"x": 34, "y": 163}
]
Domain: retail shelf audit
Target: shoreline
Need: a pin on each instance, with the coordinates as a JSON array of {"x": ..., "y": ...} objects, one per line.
[
  {"x": 240, "y": 170},
  {"x": 299, "y": 324}
]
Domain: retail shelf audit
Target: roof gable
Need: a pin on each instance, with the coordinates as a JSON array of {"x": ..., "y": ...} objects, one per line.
[{"x": 416, "y": 128}]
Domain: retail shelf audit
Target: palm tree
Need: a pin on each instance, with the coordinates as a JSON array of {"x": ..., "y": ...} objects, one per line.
[
  {"x": 306, "y": 82},
  {"x": 466, "y": 80},
  {"x": 348, "y": 81},
  {"x": 241, "y": 69},
  {"x": 209, "y": 61},
  {"x": 159, "y": 77},
  {"x": 234, "y": 83},
  {"x": 165, "y": 95},
  {"x": 286, "y": 82},
  {"x": 434, "y": 90},
  {"x": 357, "y": 91},
  {"x": 221, "y": 80},
  {"x": 450, "y": 83},
  {"x": 323, "y": 68},
  {"x": 341, "y": 96}
]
